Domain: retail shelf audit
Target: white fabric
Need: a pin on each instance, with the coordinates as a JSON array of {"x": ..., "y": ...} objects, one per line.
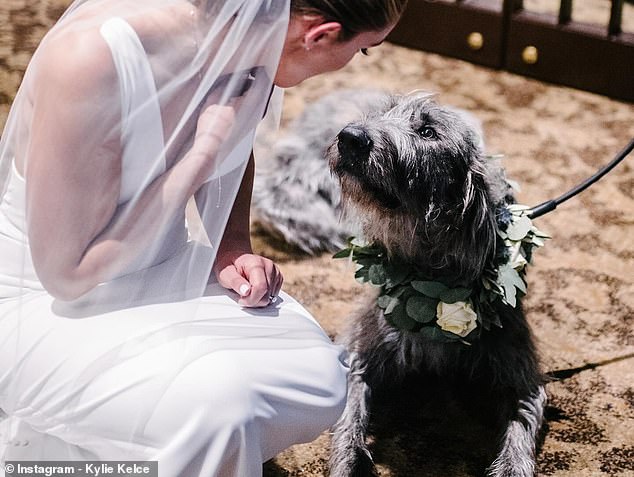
[
  {"x": 142, "y": 129},
  {"x": 17, "y": 273},
  {"x": 156, "y": 363},
  {"x": 203, "y": 386}
]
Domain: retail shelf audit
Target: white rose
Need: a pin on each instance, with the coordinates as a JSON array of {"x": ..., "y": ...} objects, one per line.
[{"x": 457, "y": 318}]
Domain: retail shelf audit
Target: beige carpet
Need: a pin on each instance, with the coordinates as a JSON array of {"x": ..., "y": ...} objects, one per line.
[{"x": 581, "y": 291}]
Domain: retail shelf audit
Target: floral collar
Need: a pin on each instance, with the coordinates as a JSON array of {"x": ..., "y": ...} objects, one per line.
[{"x": 435, "y": 310}]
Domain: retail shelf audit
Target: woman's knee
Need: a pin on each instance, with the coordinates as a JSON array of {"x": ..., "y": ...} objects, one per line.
[
  {"x": 325, "y": 374},
  {"x": 335, "y": 380},
  {"x": 213, "y": 388},
  {"x": 301, "y": 395}
]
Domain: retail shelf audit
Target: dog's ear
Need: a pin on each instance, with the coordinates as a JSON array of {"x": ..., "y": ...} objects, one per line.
[{"x": 475, "y": 241}]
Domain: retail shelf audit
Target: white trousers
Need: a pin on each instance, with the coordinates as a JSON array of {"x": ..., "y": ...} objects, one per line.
[{"x": 204, "y": 387}]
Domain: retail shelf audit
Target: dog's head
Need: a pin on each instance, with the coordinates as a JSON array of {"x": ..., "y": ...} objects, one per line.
[{"x": 414, "y": 174}]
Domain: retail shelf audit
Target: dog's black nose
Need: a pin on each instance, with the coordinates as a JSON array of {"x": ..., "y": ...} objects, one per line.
[{"x": 354, "y": 140}]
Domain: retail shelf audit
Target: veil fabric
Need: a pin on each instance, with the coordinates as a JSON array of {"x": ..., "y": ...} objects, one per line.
[
  {"x": 166, "y": 61},
  {"x": 190, "y": 52}
]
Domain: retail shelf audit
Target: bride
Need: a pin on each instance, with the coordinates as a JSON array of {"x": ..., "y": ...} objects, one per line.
[{"x": 135, "y": 321}]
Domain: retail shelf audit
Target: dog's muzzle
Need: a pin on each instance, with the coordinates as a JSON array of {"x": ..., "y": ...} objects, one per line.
[{"x": 354, "y": 146}]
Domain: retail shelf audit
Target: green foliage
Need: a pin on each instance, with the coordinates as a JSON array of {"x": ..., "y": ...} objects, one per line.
[{"x": 409, "y": 299}]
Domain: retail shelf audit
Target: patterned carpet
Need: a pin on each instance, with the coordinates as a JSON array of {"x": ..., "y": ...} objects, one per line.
[{"x": 581, "y": 290}]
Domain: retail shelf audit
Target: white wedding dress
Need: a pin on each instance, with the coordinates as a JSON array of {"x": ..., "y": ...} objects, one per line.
[{"x": 198, "y": 383}]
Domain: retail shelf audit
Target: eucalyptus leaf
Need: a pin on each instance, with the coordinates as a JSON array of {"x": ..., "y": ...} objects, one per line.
[
  {"x": 517, "y": 208},
  {"x": 376, "y": 274},
  {"x": 368, "y": 252},
  {"x": 510, "y": 295},
  {"x": 396, "y": 273},
  {"x": 432, "y": 289},
  {"x": 538, "y": 241},
  {"x": 453, "y": 295},
  {"x": 397, "y": 292},
  {"x": 399, "y": 318},
  {"x": 345, "y": 253},
  {"x": 518, "y": 229},
  {"x": 508, "y": 278},
  {"x": 432, "y": 333},
  {"x": 383, "y": 301},
  {"x": 517, "y": 280},
  {"x": 361, "y": 275},
  {"x": 357, "y": 242},
  {"x": 454, "y": 337},
  {"x": 391, "y": 305},
  {"x": 367, "y": 261},
  {"x": 421, "y": 308}
]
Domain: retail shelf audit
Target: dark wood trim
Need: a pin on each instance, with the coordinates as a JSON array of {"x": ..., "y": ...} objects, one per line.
[
  {"x": 444, "y": 27},
  {"x": 590, "y": 57},
  {"x": 573, "y": 54}
]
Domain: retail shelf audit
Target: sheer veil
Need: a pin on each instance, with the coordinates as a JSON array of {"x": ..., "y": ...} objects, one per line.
[
  {"x": 165, "y": 62},
  {"x": 169, "y": 58}
]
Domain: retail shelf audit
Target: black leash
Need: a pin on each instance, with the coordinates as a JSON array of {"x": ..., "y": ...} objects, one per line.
[{"x": 551, "y": 205}]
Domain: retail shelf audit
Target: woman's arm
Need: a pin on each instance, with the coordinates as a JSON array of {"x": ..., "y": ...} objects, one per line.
[
  {"x": 253, "y": 277},
  {"x": 73, "y": 173}
]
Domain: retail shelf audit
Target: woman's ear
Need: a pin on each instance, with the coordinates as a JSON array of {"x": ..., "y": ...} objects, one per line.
[{"x": 321, "y": 33}]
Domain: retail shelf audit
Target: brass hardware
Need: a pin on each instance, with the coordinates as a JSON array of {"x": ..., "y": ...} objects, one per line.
[
  {"x": 530, "y": 55},
  {"x": 475, "y": 40}
]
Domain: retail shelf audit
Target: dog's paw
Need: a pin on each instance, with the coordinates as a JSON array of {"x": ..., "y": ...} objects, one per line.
[{"x": 354, "y": 464}]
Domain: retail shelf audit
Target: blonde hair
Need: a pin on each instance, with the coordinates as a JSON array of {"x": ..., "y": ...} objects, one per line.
[{"x": 355, "y": 16}]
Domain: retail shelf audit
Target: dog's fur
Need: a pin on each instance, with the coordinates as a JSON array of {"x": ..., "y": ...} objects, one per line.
[
  {"x": 413, "y": 175},
  {"x": 295, "y": 196}
]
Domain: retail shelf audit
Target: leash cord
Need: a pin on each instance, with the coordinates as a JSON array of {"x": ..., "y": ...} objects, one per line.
[{"x": 551, "y": 205}]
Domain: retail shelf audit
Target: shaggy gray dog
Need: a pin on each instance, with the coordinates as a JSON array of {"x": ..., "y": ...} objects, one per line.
[{"x": 432, "y": 207}]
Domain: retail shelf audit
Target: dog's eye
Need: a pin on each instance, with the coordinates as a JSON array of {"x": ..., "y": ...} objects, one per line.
[
  {"x": 427, "y": 132},
  {"x": 364, "y": 51}
]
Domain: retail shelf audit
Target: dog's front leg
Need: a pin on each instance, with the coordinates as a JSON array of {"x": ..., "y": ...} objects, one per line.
[
  {"x": 349, "y": 455},
  {"x": 517, "y": 452}
]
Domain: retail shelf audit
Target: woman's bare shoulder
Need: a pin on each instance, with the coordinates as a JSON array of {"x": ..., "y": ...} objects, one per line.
[{"x": 76, "y": 63}]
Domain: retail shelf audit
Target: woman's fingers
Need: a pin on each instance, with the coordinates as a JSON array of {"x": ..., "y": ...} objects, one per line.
[
  {"x": 275, "y": 278},
  {"x": 259, "y": 293},
  {"x": 214, "y": 130},
  {"x": 214, "y": 125},
  {"x": 256, "y": 279}
]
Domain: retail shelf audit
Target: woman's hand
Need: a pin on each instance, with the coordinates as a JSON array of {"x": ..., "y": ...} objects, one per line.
[{"x": 256, "y": 279}]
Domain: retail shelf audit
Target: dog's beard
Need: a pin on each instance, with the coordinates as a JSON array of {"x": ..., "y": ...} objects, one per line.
[
  {"x": 364, "y": 192},
  {"x": 363, "y": 179}
]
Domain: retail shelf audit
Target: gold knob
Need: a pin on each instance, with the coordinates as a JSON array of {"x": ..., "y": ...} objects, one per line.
[
  {"x": 475, "y": 40},
  {"x": 530, "y": 55}
]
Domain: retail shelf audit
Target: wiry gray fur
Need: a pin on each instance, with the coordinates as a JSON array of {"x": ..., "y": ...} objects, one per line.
[
  {"x": 295, "y": 195},
  {"x": 413, "y": 178}
]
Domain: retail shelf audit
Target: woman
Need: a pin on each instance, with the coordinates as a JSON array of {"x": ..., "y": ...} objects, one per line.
[{"x": 135, "y": 321}]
